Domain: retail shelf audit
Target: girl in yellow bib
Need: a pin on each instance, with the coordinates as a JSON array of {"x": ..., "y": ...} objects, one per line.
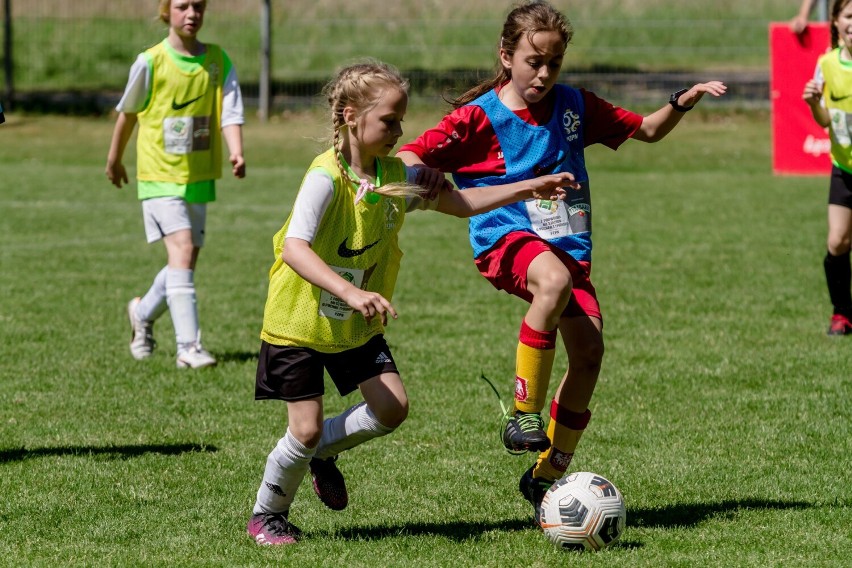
[
  {"x": 829, "y": 96},
  {"x": 330, "y": 288},
  {"x": 185, "y": 96}
]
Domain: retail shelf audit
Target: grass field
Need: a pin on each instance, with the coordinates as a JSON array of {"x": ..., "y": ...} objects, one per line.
[
  {"x": 722, "y": 412},
  {"x": 90, "y": 44}
]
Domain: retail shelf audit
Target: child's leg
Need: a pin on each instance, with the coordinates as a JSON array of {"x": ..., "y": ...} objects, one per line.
[
  {"x": 181, "y": 297},
  {"x": 180, "y": 286},
  {"x": 354, "y": 426},
  {"x": 569, "y": 412},
  {"x": 142, "y": 313},
  {"x": 550, "y": 282},
  {"x": 371, "y": 369},
  {"x": 287, "y": 464},
  {"x": 153, "y": 303},
  {"x": 837, "y": 268}
]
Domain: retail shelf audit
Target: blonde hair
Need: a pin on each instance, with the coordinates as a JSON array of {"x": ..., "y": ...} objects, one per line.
[
  {"x": 361, "y": 86},
  {"x": 165, "y": 8},
  {"x": 524, "y": 21}
]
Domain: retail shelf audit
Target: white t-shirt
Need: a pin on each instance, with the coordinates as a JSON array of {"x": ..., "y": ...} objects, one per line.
[
  {"x": 139, "y": 88},
  {"x": 315, "y": 195}
]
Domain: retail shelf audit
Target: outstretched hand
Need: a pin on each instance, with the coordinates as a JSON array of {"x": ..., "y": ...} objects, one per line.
[
  {"x": 693, "y": 95},
  {"x": 552, "y": 186}
]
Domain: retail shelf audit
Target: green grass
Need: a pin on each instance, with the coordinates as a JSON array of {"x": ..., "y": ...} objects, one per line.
[
  {"x": 92, "y": 44},
  {"x": 722, "y": 410}
]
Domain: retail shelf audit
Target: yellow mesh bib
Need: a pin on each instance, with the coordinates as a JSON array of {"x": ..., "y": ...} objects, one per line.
[
  {"x": 359, "y": 242},
  {"x": 837, "y": 95},
  {"x": 180, "y": 139}
]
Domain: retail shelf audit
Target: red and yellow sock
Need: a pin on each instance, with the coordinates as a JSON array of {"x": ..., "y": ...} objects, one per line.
[
  {"x": 565, "y": 429},
  {"x": 533, "y": 365}
]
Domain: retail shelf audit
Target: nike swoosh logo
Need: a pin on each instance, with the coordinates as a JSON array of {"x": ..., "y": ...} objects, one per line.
[
  {"x": 347, "y": 252},
  {"x": 835, "y": 98},
  {"x": 177, "y": 106}
]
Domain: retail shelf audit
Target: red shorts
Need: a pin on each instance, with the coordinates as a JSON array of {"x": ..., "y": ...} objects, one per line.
[{"x": 505, "y": 266}]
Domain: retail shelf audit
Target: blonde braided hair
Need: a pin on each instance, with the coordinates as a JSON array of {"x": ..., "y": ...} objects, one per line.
[{"x": 361, "y": 87}]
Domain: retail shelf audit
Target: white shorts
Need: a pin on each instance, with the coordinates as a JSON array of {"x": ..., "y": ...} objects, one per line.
[{"x": 166, "y": 215}]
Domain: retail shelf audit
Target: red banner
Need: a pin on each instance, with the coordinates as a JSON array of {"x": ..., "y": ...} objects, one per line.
[{"x": 799, "y": 145}]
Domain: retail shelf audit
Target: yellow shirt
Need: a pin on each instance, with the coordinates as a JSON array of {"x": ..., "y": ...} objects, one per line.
[
  {"x": 837, "y": 96},
  {"x": 359, "y": 242},
  {"x": 179, "y": 133}
]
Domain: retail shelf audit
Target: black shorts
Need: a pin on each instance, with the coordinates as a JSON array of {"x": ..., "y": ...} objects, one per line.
[
  {"x": 296, "y": 373},
  {"x": 840, "y": 188}
]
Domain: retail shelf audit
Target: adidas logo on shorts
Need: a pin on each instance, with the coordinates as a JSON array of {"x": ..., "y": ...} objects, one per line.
[{"x": 383, "y": 358}]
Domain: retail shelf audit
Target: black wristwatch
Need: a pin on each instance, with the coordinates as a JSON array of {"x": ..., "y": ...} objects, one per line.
[{"x": 673, "y": 101}]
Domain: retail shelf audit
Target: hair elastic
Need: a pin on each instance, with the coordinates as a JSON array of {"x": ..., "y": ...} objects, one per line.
[{"x": 363, "y": 189}]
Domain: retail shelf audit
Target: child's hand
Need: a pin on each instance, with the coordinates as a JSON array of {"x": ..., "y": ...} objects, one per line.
[
  {"x": 370, "y": 304},
  {"x": 812, "y": 93},
  {"x": 693, "y": 95},
  {"x": 431, "y": 180},
  {"x": 239, "y": 164},
  {"x": 116, "y": 174},
  {"x": 552, "y": 186}
]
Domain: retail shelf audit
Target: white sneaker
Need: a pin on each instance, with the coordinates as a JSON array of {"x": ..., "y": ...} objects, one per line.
[
  {"x": 194, "y": 356},
  {"x": 142, "y": 342}
]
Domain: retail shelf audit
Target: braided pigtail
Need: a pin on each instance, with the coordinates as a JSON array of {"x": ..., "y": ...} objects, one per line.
[{"x": 361, "y": 87}]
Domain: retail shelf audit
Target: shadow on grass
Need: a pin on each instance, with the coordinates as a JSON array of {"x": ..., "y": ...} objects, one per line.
[
  {"x": 691, "y": 514},
  {"x": 456, "y": 530},
  {"x": 674, "y": 516},
  {"x": 237, "y": 356},
  {"x": 116, "y": 452}
]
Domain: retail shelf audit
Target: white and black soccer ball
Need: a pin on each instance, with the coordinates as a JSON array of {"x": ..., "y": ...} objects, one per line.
[{"x": 583, "y": 510}]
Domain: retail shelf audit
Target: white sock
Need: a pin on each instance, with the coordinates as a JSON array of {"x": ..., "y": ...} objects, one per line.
[
  {"x": 180, "y": 294},
  {"x": 353, "y": 426},
  {"x": 286, "y": 466},
  {"x": 153, "y": 303}
]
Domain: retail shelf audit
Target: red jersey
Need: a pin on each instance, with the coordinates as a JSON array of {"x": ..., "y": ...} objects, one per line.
[{"x": 464, "y": 142}]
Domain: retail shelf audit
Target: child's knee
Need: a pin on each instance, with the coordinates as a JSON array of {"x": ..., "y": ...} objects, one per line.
[
  {"x": 308, "y": 435},
  {"x": 838, "y": 244},
  {"x": 392, "y": 415},
  {"x": 590, "y": 354}
]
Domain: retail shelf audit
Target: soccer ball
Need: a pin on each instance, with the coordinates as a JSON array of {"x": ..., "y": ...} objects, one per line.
[{"x": 583, "y": 510}]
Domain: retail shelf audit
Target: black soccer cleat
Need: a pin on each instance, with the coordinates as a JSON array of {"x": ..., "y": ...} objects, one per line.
[
  {"x": 533, "y": 490},
  {"x": 524, "y": 432},
  {"x": 329, "y": 484}
]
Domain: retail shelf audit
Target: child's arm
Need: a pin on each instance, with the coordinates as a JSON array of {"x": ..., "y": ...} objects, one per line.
[
  {"x": 233, "y": 135},
  {"x": 800, "y": 20},
  {"x": 299, "y": 255},
  {"x": 656, "y": 126},
  {"x": 124, "y": 125},
  {"x": 813, "y": 95},
  {"x": 476, "y": 200}
]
